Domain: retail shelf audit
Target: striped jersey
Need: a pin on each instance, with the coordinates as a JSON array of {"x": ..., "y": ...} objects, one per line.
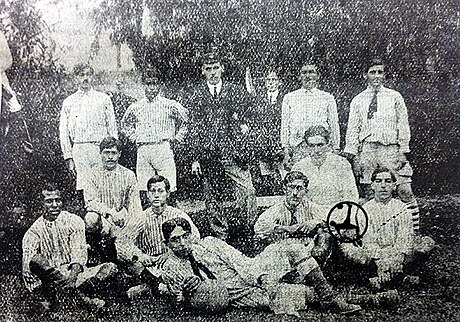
[
  {"x": 155, "y": 121},
  {"x": 389, "y": 124},
  {"x": 142, "y": 234},
  {"x": 86, "y": 118},
  {"x": 279, "y": 214},
  {"x": 112, "y": 189},
  {"x": 302, "y": 109},
  {"x": 390, "y": 228},
  {"x": 61, "y": 242}
]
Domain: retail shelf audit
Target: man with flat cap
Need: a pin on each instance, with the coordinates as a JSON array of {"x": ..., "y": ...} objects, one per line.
[{"x": 219, "y": 143}]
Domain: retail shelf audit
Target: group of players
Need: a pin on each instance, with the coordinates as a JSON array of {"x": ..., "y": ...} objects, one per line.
[{"x": 233, "y": 137}]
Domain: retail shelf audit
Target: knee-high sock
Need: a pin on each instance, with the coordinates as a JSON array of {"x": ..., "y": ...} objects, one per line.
[{"x": 412, "y": 205}]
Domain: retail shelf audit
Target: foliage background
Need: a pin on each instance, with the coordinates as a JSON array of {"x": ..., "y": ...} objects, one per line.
[{"x": 418, "y": 39}]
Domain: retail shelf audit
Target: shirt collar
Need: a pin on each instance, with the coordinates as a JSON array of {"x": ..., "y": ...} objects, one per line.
[{"x": 218, "y": 87}]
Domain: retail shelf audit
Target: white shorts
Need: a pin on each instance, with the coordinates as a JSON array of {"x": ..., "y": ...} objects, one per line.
[
  {"x": 85, "y": 156},
  {"x": 375, "y": 155},
  {"x": 155, "y": 157}
]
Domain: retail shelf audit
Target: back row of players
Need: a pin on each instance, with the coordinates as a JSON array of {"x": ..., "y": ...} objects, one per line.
[
  {"x": 232, "y": 139},
  {"x": 225, "y": 129}
]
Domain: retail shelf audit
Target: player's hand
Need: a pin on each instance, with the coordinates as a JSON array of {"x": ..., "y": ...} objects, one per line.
[
  {"x": 191, "y": 283},
  {"x": 196, "y": 168},
  {"x": 286, "y": 229},
  {"x": 402, "y": 160},
  {"x": 71, "y": 167},
  {"x": 67, "y": 282},
  {"x": 147, "y": 260},
  {"x": 118, "y": 218},
  {"x": 179, "y": 138},
  {"x": 244, "y": 128},
  {"x": 306, "y": 227}
]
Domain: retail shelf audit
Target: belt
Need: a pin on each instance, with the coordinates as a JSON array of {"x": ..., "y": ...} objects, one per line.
[
  {"x": 88, "y": 142},
  {"x": 377, "y": 144},
  {"x": 151, "y": 143}
]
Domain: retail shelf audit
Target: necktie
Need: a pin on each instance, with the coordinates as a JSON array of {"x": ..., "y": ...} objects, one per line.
[
  {"x": 293, "y": 217},
  {"x": 214, "y": 91},
  {"x": 372, "y": 106},
  {"x": 198, "y": 268}
]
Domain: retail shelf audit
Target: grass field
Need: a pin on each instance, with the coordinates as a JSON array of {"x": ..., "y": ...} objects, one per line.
[{"x": 437, "y": 298}]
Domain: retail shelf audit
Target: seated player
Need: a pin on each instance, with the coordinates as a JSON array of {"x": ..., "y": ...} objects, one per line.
[
  {"x": 389, "y": 241},
  {"x": 140, "y": 244},
  {"x": 242, "y": 281},
  {"x": 296, "y": 217},
  {"x": 111, "y": 197},
  {"x": 330, "y": 176},
  {"x": 55, "y": 255}
]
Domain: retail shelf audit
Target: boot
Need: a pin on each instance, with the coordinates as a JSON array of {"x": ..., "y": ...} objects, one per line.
[
  {"x": 327, "y": 296},
  {"x": 387, "y": 298}
]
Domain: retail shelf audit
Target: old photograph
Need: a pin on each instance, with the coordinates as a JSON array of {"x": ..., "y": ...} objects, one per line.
[{"x": 229, "y": 160}]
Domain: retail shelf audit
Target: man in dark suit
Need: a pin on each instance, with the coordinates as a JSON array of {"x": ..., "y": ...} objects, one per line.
[
  {"x": 267, "y": 129},
  {"x": 221, "y": 149}
]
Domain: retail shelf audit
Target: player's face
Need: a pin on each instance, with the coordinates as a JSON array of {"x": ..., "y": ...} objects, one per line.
[
  {"x": 85, "y": 79},
  {"x": 212, "y": 72},
  {"x": 375, "y": 76},
  {"x": 383, "y": 186},
  {"x": 309, "y": 76},
  {"x": 272, "y": 82},
  {"x": 52, "y": 203},
  {"x": 295, "y": 192},
  {"x": 110, "y": 158},
  {"x": 152, "y": 89},
  {"x": 158, "y": 195},
  {"x": 180, "y": 242},
  {"x": 317, "y": 146}
]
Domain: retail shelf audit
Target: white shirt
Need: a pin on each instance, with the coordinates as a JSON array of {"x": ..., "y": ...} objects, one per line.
[
  {"x": 154, "y": 121},
  {"x": 218, "y": 88},
  {"x": 86, "y": 117},
  {"x": 302, "y": 109},
  {"x": 389, "y": 125},
  {"x": 330, "y": 183}
]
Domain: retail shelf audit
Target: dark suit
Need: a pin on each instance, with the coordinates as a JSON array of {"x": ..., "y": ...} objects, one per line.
[
  {"x": 224, "y": 152},
  {"x": 267, "y": 132}
]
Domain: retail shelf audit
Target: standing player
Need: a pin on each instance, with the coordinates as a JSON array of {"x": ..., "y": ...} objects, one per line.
[
  {"x": 151, "y": 122},
  {"x": 87, "y": 117},
  {"x": 378, "y": 134},
  {"x": 305, "y": 107}
]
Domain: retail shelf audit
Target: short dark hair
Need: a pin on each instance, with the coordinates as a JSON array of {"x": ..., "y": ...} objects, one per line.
[
  {"x": 79, "y": 68},
  {"x": 381, "y": 170},
  {"x": 211, "y": 58},
  {"x": 271, "y": 69},
  {"x": 109, "y": 142},
  {"x": 157, "y": 178},
  {"x": 310, "y": 61},
  {"x": 168, "y": 226},
  {"x": 51, "y": 186},
  {"x": 374, "y": 61},
  {"x": 295, "y": 175},
  {"x": 317, "y": 130}
]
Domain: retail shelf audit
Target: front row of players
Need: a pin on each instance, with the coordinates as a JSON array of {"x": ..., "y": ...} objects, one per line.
[{"x": 160, "y": 248}]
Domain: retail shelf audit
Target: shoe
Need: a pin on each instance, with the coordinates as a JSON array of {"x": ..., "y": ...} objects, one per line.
[
  {"x": 342, "y": 306},
  {"x": 411, "y": 280},
  {"x": 94, "y": 304},
  {"x": 387, "y": 298},
  {"x": 137, "y": 291},
  {"x": 375, "y": 283}
]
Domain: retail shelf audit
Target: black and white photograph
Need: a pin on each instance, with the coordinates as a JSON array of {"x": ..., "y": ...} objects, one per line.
[{"x": 229, "y": 160}]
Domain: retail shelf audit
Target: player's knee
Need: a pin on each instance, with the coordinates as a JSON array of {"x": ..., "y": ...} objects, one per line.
[
  {"x": 38, "y": 265},
  {"x": 405, "y": 192},
  {"x": 93, "y": 222}
]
